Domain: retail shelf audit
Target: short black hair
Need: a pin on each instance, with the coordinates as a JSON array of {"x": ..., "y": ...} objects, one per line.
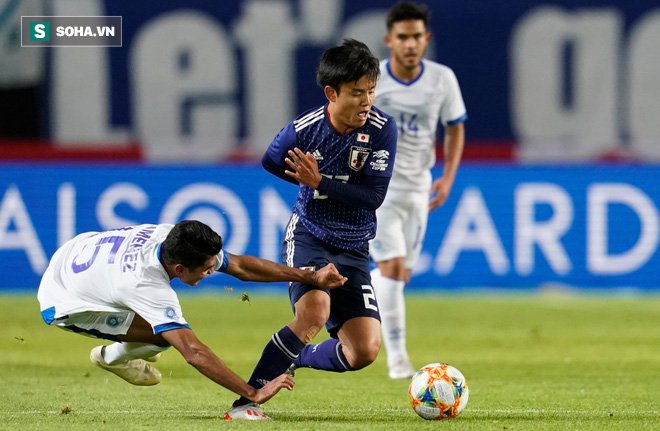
[
  {"x": 348, "y": 62},
  {"x": 406, "y": 10},
  {"x": 190, "y": 243}
]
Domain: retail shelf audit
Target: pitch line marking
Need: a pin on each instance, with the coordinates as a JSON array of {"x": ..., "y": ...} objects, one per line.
[{"x": 326, "y": 411}]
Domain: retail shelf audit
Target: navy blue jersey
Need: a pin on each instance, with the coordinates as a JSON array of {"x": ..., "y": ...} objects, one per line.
[{"x": 356, "y": 159}]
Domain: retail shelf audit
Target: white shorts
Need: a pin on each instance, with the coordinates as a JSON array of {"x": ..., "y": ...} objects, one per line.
[
  {"x": 401, "y": 226},
  {"x": 97, "y": 324}
]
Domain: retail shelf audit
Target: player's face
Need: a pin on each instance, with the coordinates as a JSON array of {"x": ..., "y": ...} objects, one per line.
[
  {"x": 195, "y": 275},
  {"x": 407, "y": 41},
  {"x": 349, "y": 109}
]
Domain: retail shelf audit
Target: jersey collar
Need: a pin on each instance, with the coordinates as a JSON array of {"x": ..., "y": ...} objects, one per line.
[
  {"x": 409, "y": 83},
  {"x": 160, "y": 259}
]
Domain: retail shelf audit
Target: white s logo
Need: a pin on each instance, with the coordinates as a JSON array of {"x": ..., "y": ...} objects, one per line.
[{"x": 39, "y": 31}]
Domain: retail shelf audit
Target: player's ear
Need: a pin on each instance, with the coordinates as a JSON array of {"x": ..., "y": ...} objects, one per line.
[
  {"x": 330, "y": 93},
  {"x": 428, "y": 36},
  {"x": 179, "y": 269}
]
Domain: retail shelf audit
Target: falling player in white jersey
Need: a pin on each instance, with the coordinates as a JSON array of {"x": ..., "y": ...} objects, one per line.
[
  {"x": 115, "y": 285},
  {"x": 418, "y": 93}
]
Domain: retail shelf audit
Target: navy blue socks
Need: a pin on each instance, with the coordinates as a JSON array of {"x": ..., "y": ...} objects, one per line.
[
  {"x": 280, "y": 352},
  {"x": 325, "y": 356}
]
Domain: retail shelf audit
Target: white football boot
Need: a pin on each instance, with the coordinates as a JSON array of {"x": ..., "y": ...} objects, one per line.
[
  {"x": 250, "y": 411},
  {"x": 401, "y": 369},
  {"x": 136, "y": 372}
]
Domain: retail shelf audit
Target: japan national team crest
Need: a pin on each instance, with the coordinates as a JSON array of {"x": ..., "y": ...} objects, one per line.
[{"x": 358, "y": 157}]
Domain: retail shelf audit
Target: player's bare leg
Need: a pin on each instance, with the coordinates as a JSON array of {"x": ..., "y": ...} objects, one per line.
[
  {"x": 360, "y": 339},
  {"x": 388, "y": 282},
  {"x": 312, "y": 311},
  {"x": 357, "y": 344}
]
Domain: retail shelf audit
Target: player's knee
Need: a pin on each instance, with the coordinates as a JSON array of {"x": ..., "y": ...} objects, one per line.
[
  {"x": 366, "y": 353},
  {"x": 394, "y": 268},
  {"x": 306, "y": 325}
]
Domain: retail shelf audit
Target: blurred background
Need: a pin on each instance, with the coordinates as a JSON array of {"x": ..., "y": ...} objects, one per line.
[{"x": 559, "y": 184}]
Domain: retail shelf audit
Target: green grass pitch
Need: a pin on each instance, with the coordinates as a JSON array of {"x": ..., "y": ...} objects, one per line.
[{"x": 532, "y": 362}]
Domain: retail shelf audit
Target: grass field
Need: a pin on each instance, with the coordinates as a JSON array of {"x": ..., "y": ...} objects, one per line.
[{"x": 541, "y": 362}]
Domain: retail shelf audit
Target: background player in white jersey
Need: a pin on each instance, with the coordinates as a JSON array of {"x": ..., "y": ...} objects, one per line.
[
  {"x": 340, "y": 156},
  {"x": 115, "y": 285},
  {"x": 417, "y": 93}
]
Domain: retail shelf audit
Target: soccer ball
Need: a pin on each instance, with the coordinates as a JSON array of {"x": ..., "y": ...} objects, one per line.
[{"x": 438, "y": 391}]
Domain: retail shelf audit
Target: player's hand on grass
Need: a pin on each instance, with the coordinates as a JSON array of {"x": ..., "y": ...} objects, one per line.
[
  {"x": 272, "y": 388},
  {"x": 328, "y": 277},
  {"x": 439, "y": 192},
  {"x": 305, "y": 168}
]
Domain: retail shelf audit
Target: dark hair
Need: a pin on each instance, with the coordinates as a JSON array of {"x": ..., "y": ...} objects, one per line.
[
  {"x": 190, "y": 243},
  {"x": 348, "y": 62},
  {"x": 406, "y": 10}
]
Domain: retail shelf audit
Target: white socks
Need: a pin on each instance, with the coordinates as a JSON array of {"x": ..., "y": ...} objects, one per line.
[
  {"x": 121, "y": 352},
  {"x": 392, "y": 306}
]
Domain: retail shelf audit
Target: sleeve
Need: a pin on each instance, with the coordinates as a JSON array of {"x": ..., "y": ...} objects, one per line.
[
  {"x": 368, "y": 195},
  {"x": 453, "y": 107},
  {"x": 221, "y": 261},
  {"x": 380, "y": 162},
  {"x": 378, "y": 171},
  {"x": 273, "y": 159},
  {"x": 158, "y": 304}
]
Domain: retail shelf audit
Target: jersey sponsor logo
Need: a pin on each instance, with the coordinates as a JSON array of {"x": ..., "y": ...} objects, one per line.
[
  {"x": 363, "y": 137},
  {"x": 358, "y": 157},
  {"x": 317, "y": 155},
  {"x": 170, "y": 312},
  {"x": 114, "y": 321},
  {"x": 381, "y": 154},
  {"x": 379, "y": 165}
]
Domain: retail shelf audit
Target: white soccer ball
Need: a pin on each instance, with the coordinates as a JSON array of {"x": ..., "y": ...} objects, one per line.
[{"x": 438, "y": 391}]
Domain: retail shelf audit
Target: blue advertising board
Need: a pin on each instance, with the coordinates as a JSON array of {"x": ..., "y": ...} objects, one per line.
[{"x": 503, "y": 226}]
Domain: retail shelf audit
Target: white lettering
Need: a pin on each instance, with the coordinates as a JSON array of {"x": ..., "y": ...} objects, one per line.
[
  {"x": 368, "y": 27},
  {"x": 644, "y": 68},
  {"x": 547, "y": 234},
  {"x": 235, "y": 237},
  {"x": 573, "y": 116},
  {"x": 119, "y": 193},
  {"x": 105, "y": 31},
  {"x": 80, "y": 93},
  {"x": 269, "y": 66},
  {"x": 184, "y": 101},
  {"x": 66, "y": 213},
  {"x": 39, "y": 31},
  {"x": 472, "y": 228},
  {"x": 24, "y": 237},
  {"x": 599, "y": 260}
]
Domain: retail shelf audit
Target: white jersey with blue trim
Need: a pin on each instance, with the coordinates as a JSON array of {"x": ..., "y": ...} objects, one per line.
[
  {"x": 112, "y": 271},
  {"x": 418, "y": 106},
  {"x": 365, "y": 151}
]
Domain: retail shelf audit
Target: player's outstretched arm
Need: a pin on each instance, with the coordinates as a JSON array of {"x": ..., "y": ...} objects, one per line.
[
  {"x": 206, "y": 362},
  {"x": 250, "y": 268}
]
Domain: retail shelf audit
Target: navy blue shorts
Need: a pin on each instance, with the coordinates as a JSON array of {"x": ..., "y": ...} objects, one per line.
[{"x": 355, "y": 298}]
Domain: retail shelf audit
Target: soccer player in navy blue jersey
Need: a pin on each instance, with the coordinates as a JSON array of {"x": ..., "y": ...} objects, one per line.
[{"x": 341, "y": 156}]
